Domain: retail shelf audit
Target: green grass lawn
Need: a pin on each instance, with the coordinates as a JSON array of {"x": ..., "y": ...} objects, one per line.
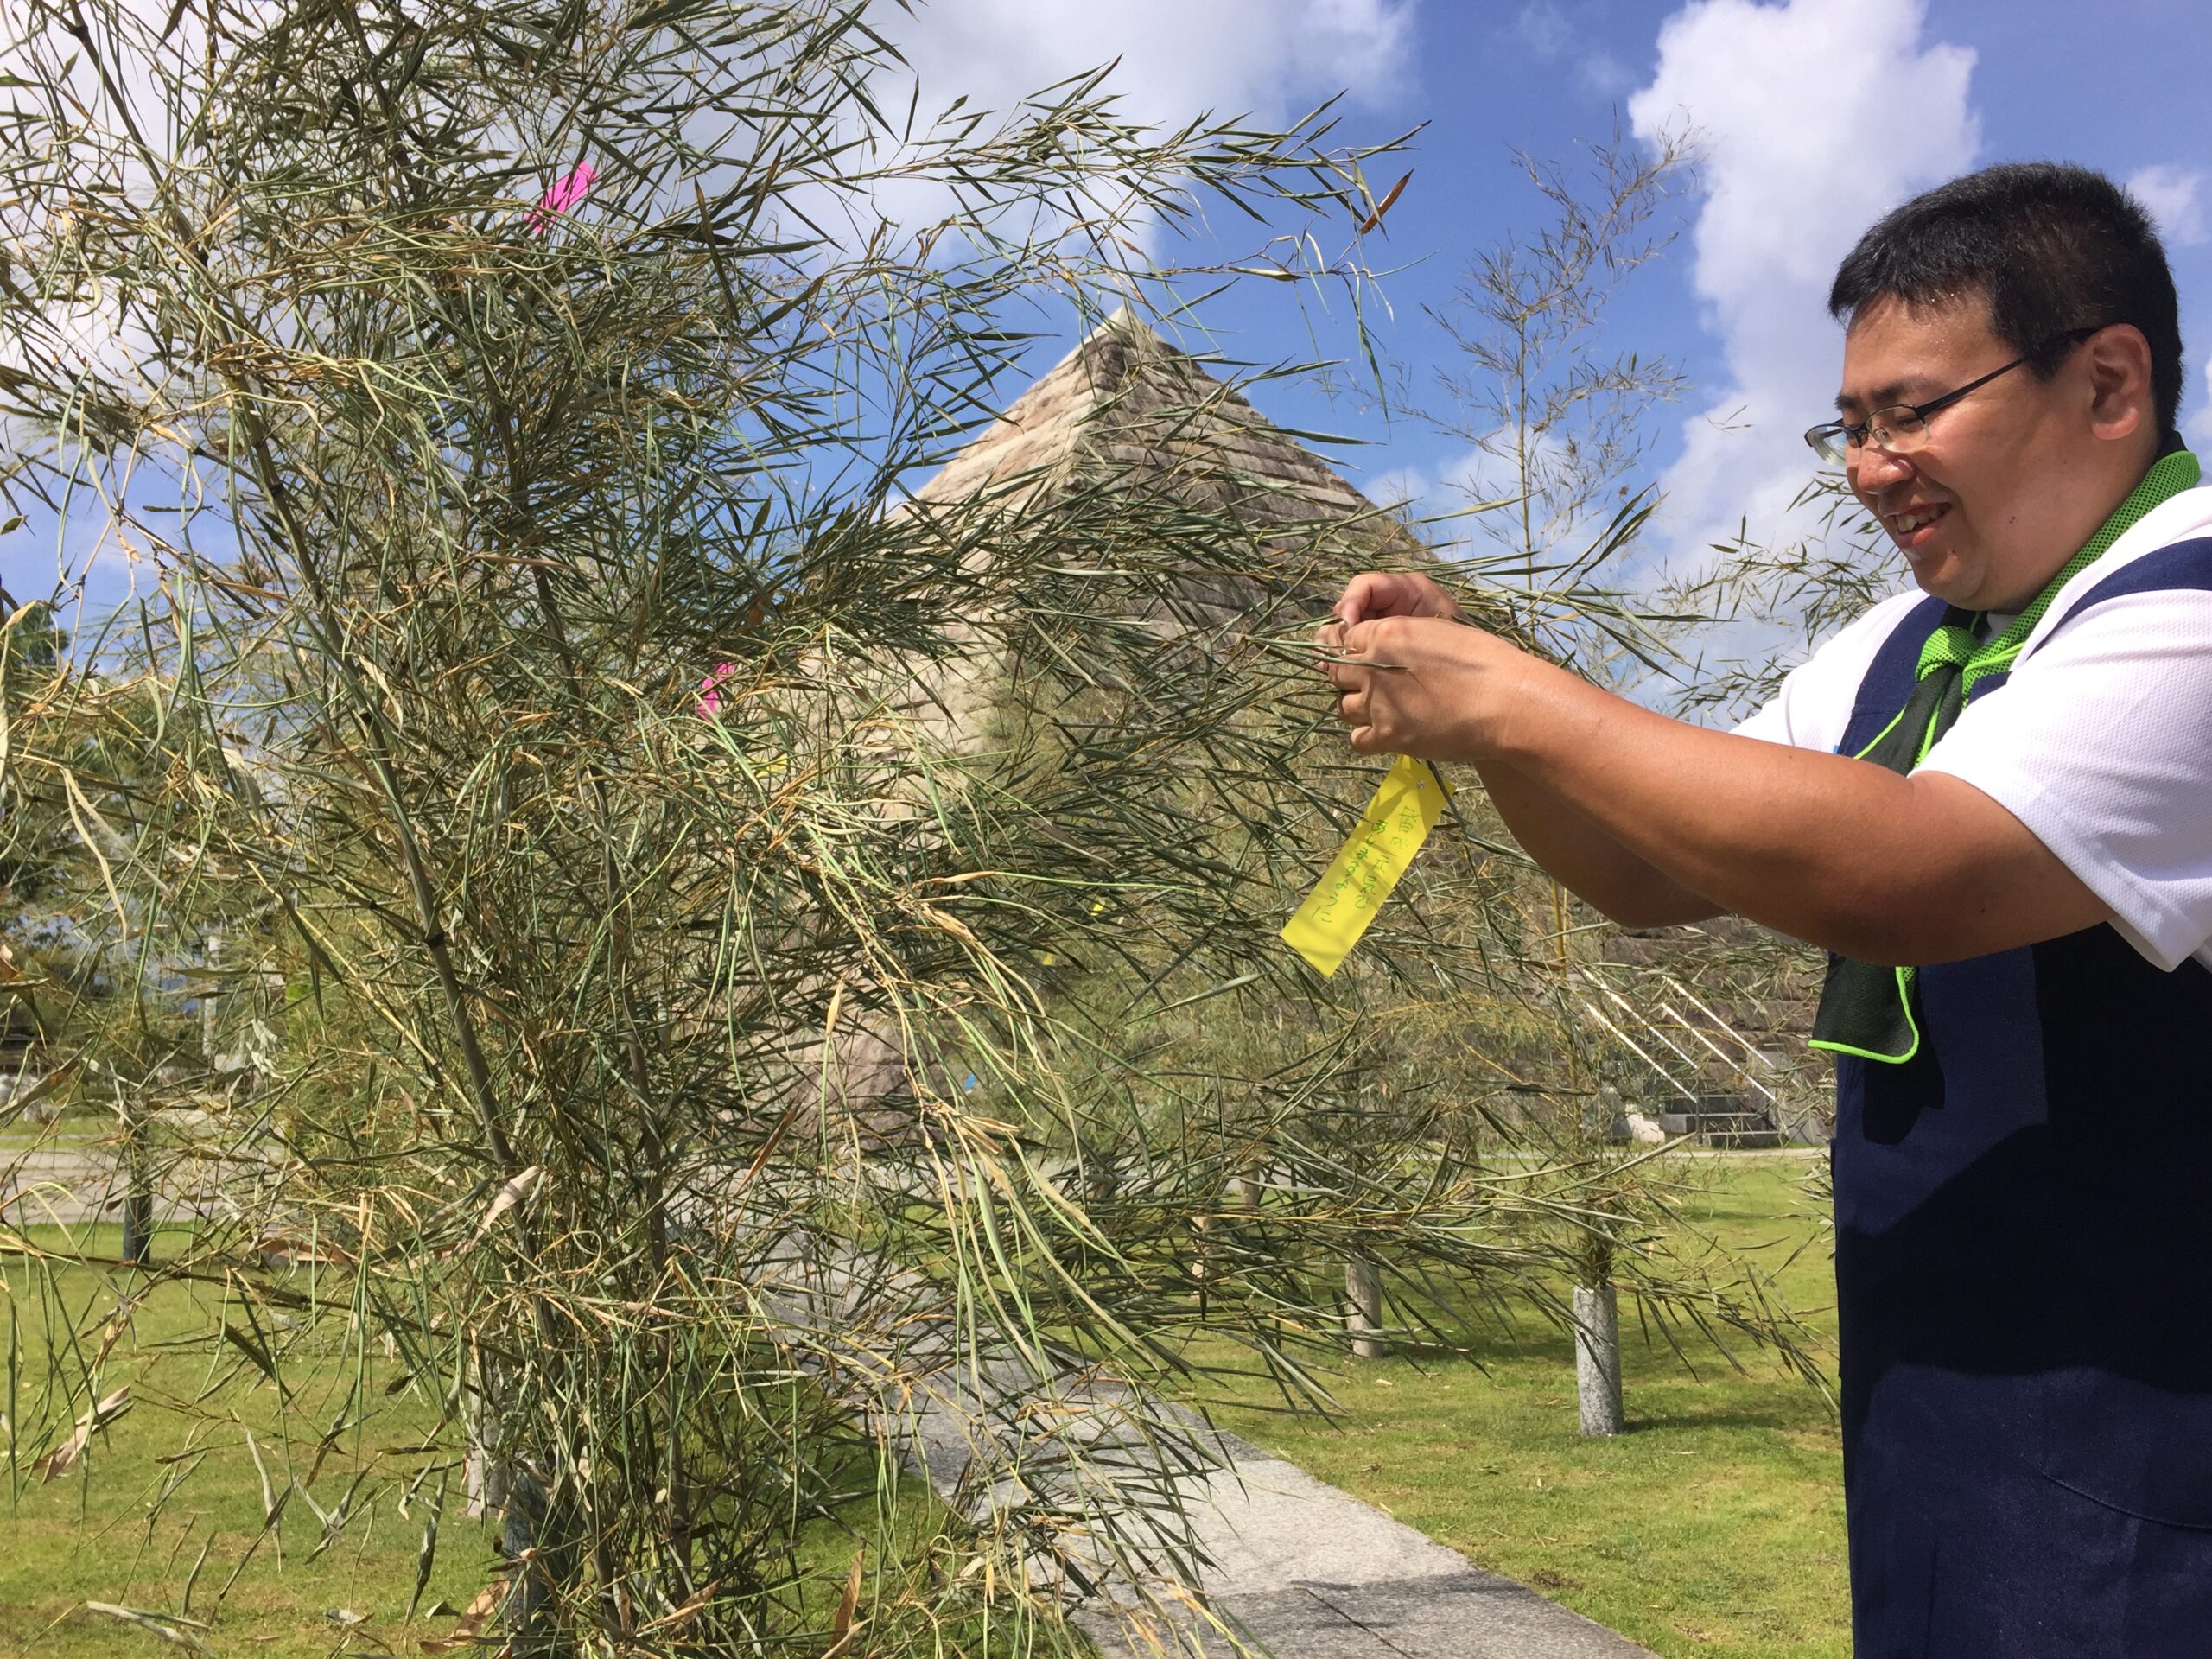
[
  {"x": 1714, "y": 1527},
  {"x": 71, "y": 1133},
  {"x": 95, "y": 1534}
]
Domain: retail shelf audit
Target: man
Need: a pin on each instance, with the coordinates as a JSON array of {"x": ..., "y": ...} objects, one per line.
[{"x": 1992, "y": 800}]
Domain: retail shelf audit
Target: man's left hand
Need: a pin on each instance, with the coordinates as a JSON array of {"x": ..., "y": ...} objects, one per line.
[{"x": 1417, "y": 685}]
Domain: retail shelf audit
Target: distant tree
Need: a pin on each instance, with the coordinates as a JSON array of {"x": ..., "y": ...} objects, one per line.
[
  {"x": 35, "y": 835},
  {"x": 1738, "y": 624},
  {"x": 1759, "y": 607},
  {"x": 1557, "y": 421}
]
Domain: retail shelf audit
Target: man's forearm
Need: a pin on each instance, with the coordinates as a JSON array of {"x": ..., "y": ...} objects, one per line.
[
  {"x": 1587, "y": 860},
  {"x": 1838, "y": 852}
]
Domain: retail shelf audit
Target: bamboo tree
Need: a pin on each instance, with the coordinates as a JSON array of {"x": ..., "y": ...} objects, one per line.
[
  {"x": 520, "y": 403},
  {"x": 1558, "y": 429},
  {"x": 1556, "y": 422},
  {"x": 728, "y": 925}
]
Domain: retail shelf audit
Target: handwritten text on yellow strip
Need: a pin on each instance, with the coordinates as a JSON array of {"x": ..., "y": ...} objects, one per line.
[{"x": 1381, "y": 846}]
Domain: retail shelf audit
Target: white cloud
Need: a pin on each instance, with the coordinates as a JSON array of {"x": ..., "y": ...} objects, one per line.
[
  {"x": 2199, "y": 428},
  {"x": 1792, "y": 101},
  {"x": 1172, "y": 61},
  {"x": 1603, "y": 75},
  {"x": 1481, "y": 477},
  {"x": 1175, "y": 58},
  {"x": 1550, "y": 34},
  {"x": 1398, "y": 486},
  {"x": 2173, "y": 195},
  {"x": 1476, "y": 475},
  {"x": 1544, "y": 29}
]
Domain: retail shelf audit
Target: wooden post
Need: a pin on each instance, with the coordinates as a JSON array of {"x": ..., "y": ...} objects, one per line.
[
  {"x": 484, "y": 1478},
  {"x": 138, "y": 1187},
  {"x": 1363, "y": 1307},
  {"x": 211, "y": 952}
]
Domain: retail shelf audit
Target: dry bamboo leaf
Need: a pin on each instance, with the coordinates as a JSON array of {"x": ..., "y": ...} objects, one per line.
[
  {"x": 96, "y": 1418},
  {"x": 842, "y": 1628},
  {"x": 683, "y": 1615},
  {"x": 514, "y": 1192},
  {"x": 45, "y": 1086},
  {"x": 1383, "y": 206},
  {"x": 169, "y": 1627},
  {"x": 472, "y": 1621}
]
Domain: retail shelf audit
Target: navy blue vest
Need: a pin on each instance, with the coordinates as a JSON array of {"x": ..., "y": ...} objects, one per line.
[{"x": 2023, "y": 1248}]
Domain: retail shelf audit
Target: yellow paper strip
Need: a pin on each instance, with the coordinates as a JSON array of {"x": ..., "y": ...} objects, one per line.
[{"x": 1368, "y": 866}]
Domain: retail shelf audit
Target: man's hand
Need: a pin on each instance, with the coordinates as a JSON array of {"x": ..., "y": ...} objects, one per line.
[
  {"x": 1656, "y": 821},
  {"x": 1411, "y": 684},
  {"x": 1411, "y": 680},
  {"x": 1394, "y": 593},
  {"x": 1405, "y": 674}
]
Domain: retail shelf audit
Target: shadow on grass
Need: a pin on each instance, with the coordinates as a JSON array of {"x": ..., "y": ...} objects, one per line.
[{"x": 1682, "y": 1422}]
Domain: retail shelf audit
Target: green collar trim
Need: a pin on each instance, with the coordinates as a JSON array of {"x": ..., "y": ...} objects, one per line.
[
  {"x": 1842, "y": 1046},
  {"x": 1953, "y": 645}
]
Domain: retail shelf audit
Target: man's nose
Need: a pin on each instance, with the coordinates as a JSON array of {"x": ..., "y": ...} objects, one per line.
[{"x": 1874, "y": 469}]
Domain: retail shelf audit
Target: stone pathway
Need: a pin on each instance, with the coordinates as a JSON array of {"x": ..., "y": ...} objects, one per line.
[
  {"x": 65, "y": 1181},
  {"x": 1281, "y": 1563},
  {"x": 1304, "y": 1571}
]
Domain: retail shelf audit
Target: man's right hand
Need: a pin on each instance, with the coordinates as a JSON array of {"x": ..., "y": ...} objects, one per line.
[
  {"x": 1394, "y": 593},
  {"x": 1578, "y": 851},
  {"x": 1375, "y": 595}
]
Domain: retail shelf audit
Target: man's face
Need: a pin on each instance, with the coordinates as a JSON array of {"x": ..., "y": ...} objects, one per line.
[{"x": 1984, "y": 509}]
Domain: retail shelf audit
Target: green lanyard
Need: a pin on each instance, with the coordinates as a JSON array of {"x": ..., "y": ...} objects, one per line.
[{"x": 1872, "y": 1012}]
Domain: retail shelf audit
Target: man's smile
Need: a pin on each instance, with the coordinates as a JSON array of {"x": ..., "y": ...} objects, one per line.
[{"x": 1911, "y": 527}]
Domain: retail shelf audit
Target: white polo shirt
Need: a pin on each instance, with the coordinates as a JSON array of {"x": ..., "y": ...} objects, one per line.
[{"x": 2099, "y": 741}]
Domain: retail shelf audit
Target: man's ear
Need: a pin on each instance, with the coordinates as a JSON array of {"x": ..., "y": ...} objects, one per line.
[{"x": 2118, "y": 363}]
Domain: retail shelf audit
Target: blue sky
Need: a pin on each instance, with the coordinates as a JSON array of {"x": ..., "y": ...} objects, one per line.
[{"x": 1817, "y": 116}]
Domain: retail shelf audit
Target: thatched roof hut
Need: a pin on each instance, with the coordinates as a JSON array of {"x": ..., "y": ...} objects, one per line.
[
  {"x": 1127, "y": 413},
  {"x": 1258, "y": 531},
  {"x": 1126, "y": 406}
]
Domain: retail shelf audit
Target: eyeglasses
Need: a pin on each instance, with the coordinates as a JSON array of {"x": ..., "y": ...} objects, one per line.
[{"x": 1903, "y": 428}]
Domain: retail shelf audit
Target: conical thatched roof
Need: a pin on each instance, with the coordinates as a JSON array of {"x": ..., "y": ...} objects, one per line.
[
  {"x": 1127, "y": 412},
  {"x": 1125, "y": 405}
]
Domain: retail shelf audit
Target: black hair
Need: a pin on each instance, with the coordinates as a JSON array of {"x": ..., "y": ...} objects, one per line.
[{"x": 2054, "y": 247}]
